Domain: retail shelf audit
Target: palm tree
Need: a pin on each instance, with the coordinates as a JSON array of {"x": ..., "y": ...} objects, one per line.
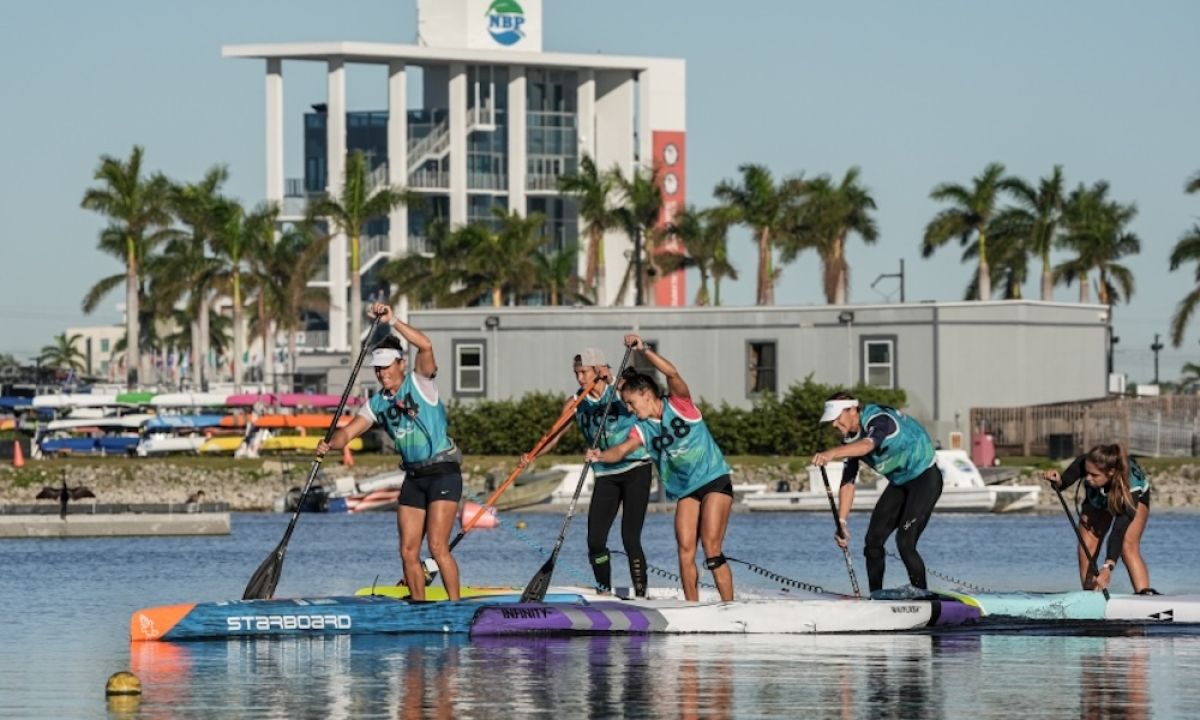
[
  {"x": 556, "y": 276},
  {"x": 593, "y": 190},
  {"x": 969, "y": 216},
  {"x": 349, "y": 213},
  {"x": 136, "y": 208},
  {"x": 233, "y": 245},
  {"x": 827, "y": 215},
  {"x": 284, "y": 270},
  {"x": 502, "y": 259},
  {"x": 1096, "y": 232},
  {"x": 62, "y": 353},
  {"x": 704, "y": 234},
  {"x": 637, "y": 214},
  {"x": 431, "y": 279},
  {"x": 1034, "y": 222},
  {"x": 767, "y": 208},
  {"x": 1190, "y": 375},
  {"x": 1185, "y": 251}
]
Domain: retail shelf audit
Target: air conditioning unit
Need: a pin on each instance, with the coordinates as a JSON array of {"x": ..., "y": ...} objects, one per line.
[{"x": 956, "y": 440}]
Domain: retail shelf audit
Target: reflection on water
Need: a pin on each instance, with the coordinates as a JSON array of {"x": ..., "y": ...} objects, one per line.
[{"x": 897, "y": 676}]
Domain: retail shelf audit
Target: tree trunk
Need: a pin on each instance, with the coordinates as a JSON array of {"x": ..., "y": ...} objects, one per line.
[
  {"x": 1084, "y": 280},
  {"x": 133, "y": 357},
  {"x": 355, "y": 293},
  {"x": 985, "y": 275},
  {"x": 620, "y": 298},
  {"x": 239, "y": 338},
  {"x": 204, "y": 368},
  {"x": 497, "y": 297},
  {"x": 766, "y": 274},
  {"x": 194, "y": 356},
  {"x": 1047, "y": 280},
  {"x": 716, "y": 292},
  {"x": 702, "y": 293},
  {"x": 264, "y": 327}
]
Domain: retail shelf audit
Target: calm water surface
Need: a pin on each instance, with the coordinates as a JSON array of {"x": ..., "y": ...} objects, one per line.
[{"x": 67, "y": 605}]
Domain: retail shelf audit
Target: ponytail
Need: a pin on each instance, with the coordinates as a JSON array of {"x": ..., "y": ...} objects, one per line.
[{"x": 1113, "y": 461}]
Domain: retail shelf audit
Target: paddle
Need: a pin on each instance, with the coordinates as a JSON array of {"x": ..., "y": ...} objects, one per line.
[
  {"x": 266, "y": 577},
  {"x": 562, "y": 421},
  {"x": 837, "y": 523},
  {"x": 1079, "y": 536},
  {"x": 535, "y": 591}
]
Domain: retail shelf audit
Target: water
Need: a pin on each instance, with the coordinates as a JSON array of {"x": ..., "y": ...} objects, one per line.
[{"x": 68, "y": 602}]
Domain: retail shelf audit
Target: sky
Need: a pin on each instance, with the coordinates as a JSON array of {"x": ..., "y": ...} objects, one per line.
[{"x": 915, "y": 93}]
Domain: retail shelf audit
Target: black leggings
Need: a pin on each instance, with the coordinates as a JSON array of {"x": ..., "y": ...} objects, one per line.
[
  {"x": 630, "y": 492},
  {"x": 905, "y": 509}
]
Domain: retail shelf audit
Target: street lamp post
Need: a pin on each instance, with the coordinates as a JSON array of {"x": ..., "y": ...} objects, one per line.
[{"x": 1156, "y": 347}]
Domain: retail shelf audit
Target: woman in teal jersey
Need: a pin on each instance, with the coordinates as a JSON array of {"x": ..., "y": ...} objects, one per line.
[
  {"x": 410, "y": 410},
  {"x": 1117, "y": 496},
  {"x": 691, "y": 467},
  {"x": 897, "y": 447},
  {"x": 620, "y": 486}
]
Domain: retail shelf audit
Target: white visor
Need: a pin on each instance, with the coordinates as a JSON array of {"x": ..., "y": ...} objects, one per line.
[
  {"x": 833, "y": 408},
  {"x": 385, "y": 356}
]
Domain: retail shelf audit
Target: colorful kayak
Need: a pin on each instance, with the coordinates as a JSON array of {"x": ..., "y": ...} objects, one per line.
[
  {"x": 560, "y": 614},
  {"x": 1084, "y": 605}
]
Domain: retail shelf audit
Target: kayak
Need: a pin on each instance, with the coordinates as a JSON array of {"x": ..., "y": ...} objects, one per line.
[
  {"x": 1083, "y": 605},
  {"x": 561, "y": 613}
]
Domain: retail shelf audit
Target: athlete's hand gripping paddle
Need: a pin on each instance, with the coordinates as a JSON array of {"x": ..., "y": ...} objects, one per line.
[
  {"x": 1079, "y": 536},
  {"x": 837, "y": 523}
]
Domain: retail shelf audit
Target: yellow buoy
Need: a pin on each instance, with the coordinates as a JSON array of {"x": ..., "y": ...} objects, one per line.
[
  {"x": 123, "y": 683},
  {"x": 521, "y": 524}
]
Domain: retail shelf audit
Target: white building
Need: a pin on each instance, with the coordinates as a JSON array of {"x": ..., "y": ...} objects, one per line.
[{"x": 499, "y": 122}]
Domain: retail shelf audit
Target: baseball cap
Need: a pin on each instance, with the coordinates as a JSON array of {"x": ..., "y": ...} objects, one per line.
[
  {"x": 382, "y": 357},
  {"x": 590, "y": 356},
  {"x": 833, "y": 408}
]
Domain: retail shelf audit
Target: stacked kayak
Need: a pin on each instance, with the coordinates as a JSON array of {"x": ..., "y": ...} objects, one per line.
[
  {"x": 562, "y": 613},
  {"x": 1084, "y": 605}
]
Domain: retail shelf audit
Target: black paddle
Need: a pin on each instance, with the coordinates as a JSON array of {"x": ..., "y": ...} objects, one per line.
[
  {"x": 535, "y": 591},
  {"x": 266, "y": 577},
  {"x": 837, "y": 523},
  {"x": 1079, "y": 535}
]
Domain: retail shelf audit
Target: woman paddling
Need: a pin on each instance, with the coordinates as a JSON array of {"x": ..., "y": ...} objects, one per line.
[
  {"x": 413, "y": 415},
  {"x": 623, "y": 485},
  {"x": 1118, "y": 498},
  {"x": 691, "y": 467},
  {"x": 897, "y": 447}
]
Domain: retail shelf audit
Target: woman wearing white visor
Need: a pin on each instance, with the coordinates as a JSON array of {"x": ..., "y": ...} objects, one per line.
[
  {"x": 897, "y": 447},
  {"x": 409, "y": 409}
]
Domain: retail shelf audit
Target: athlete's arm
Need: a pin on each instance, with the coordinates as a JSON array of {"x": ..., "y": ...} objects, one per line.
[
  {"x": 675, "y": 384},
  {"x": 343, "y": 435}
]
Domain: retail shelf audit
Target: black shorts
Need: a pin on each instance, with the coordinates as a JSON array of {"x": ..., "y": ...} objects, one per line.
[
  {"x": 419, "y": 492},
  {"x": 721, "y": 485}
]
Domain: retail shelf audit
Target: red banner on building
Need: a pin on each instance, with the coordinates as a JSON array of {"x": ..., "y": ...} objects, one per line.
[{"x": 669, "y": 158}]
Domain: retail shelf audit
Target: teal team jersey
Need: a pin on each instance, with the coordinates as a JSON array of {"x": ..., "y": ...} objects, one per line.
[
  {"x": 414, "y": 441},
  {"x": 1138, "y": 484},
  {"x": 617, "y": 427},
  {"x": 683, "y": 450},
  {"x": 903, "y": 455}
]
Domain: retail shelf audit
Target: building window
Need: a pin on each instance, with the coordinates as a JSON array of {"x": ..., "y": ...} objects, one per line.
[
  {"x": 469, "y": 370},
  {"x": 760, "y": 367},
  {"x": 103, "y": 344},
  {"x": 879, "y": 361}
]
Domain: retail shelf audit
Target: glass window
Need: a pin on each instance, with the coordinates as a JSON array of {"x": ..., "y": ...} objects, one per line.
[
  {"x": 103, "y": 344},
  {"x": 760, "y": 366},
  {"x": 879, "y": 363},
  {"x": 469, "y": 368}
]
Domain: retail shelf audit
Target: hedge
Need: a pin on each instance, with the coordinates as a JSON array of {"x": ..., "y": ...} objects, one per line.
[{"x": 787, "y": 425}]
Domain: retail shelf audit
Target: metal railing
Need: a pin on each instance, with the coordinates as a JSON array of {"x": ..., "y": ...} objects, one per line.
[
  {"x": 541, "y": 181},
  {"x": 420, "y": 244},
  {"x": 1162, "y": 426},
  {"x": 487, "y": 181},
  {"x": 435, "y": 179}
]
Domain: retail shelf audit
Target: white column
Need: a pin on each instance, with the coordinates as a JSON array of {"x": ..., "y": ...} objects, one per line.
[
  {"x": 458, "y": 144},
  {"x": 518, "y": 164},
  {"x": 645, "y": 145},
  {"x": 274, "y": 130},
  {"x": 335, "y": 161},
  {"x": 613, "y": 130},
  {"x": 397, "y": 144},
  {"x": 585, "y": 130}
]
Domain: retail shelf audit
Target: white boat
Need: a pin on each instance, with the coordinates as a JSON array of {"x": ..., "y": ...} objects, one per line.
[
  {"x": 963, "y": 490},
  {"x": 188, "y": 400}
]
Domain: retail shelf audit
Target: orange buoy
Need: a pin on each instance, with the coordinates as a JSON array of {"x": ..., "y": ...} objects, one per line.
[
  {"x": 487, "y": 520},
  {"x": 18, "y": 454}
]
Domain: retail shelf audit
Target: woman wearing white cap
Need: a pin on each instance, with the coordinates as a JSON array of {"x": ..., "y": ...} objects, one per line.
[
  {"x": 411, "y": 412},
  {"x": 623, "y": 485},
  {"x": 897, "y": 447}
]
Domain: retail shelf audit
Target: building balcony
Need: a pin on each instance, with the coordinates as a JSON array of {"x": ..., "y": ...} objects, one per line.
[
  {"x": 421, "y": 245},
  {"x": 542, "y": 181},
  {"x": 429, "y": 180},
  {"x": 487, "y": 181}
]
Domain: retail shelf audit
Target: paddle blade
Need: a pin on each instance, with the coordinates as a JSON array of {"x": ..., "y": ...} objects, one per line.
[
  {"x": 266, "y": 577},
  {"x": 535, "y": 591}
]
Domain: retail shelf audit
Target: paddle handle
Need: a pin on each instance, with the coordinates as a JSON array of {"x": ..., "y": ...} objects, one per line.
[
  {"x": 1079, "y": 536},
  {"x": 837, "y": 523},
  {"x": 562, "y": 421}
]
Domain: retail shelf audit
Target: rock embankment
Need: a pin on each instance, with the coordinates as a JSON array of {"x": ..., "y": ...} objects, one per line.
[{"x": 256, "y": 485}]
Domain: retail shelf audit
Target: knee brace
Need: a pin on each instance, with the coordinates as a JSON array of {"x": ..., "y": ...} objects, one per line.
[{"x": 714, "y": 562}]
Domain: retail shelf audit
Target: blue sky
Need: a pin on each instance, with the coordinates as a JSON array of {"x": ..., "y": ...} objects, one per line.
[{"x": 915, "y": 93}]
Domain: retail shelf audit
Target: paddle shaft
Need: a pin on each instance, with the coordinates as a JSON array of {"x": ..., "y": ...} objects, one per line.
[
  {"x": 562, "y": 421},
  {"x": 837, "y": 523},
  {"x": 1079, "y": 536},
  {"x": 262, "y": 583},
  {"x": 535, "y": 591}
]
